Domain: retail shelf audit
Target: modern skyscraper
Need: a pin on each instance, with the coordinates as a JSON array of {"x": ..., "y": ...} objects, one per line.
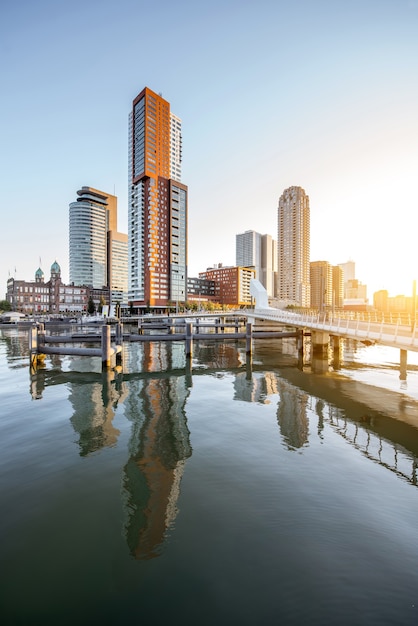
[
  {"x": 157, "y": 216},
  {"x": 98, "y": 253},
  {"x": 248, "y": 250},
  {"x": 293, "y": 244},
  {"x": 91, "y": 217},
  {"x": 260, "y": 252}
]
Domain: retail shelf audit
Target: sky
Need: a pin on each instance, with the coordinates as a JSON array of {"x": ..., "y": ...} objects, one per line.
[{"x": 322, "y": 94}]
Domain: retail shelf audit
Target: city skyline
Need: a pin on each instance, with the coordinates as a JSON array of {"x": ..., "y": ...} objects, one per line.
[{"x": 320, "y": 95}]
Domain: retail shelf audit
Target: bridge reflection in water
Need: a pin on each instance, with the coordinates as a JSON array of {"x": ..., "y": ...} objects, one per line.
[{"x": 155, "y": 403}]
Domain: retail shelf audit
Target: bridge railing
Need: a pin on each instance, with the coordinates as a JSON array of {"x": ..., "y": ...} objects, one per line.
[{"x": 396, "y": 334}]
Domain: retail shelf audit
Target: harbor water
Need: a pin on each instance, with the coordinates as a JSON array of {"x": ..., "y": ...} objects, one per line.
[{"x": 225, "y": 491}]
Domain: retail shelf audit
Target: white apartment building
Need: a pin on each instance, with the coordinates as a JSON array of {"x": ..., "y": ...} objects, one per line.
[
  {"x": 89, "y": 223},
  {"x": 259, "y": 252}
]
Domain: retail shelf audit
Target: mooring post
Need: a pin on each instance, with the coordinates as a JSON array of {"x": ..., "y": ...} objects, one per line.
[
  {"x": 249, "y": 338},
  {"x": 119, "y": 342},
  {"x": 249, "y": 367},
  {"x": 403, "y": 364},
  {"x": 189, "y": 379},
  {"x": 106, "y": 354},
  {"x": 336, "y": 351},
  {"x": 189, "y": 340},
  {"x": 33, "y": 344},
  {"x": 299, "y": 345},
  {"x": 118, "y": 334}
]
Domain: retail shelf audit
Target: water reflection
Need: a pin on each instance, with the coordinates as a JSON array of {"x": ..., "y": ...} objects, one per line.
[
  {"x": 388, "y": 454},
  {"x": 94, "y": 410},
  {"x": 153, "y": 391},
  {"x": 94, "y": 398},
  {"x": 16, "y": 344},
  {"x": 292, "y": 415},
  {"x": 159, "y": 447},
  {"x": 255, "y": 386}
]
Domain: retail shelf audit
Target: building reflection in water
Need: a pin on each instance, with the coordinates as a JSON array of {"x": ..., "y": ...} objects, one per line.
[
  {"x": 219, "y": 355},
  {"x": 257, "y": 388},
  {"x": 154, "y": 390},
  {"x": 94, "y": 397},
  {"x": 94, "y": 409},
  {"x": 159, "y": 447},
  {"x": 292, "y": 415},
  {"x": 16, "y": 343}
]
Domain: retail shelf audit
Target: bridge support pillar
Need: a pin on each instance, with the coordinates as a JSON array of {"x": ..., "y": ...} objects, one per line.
[
  {"x": 320, "y": 341},
  {"x": 403, "y": 364}
]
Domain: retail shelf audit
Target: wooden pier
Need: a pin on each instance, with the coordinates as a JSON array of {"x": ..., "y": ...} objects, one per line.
[
  {"x": 111, "y": 343},
  {"x": 41, "y": 344}
]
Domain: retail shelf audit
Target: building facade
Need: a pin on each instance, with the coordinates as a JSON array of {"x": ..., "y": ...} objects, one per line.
[
  {"x": 338, "y": 286},
  {"x": 260, "y": 252},
  {"x": 248, "y": 251},
  {"x": 90, "y": 218},
  {"x": 52, "y": 297},
  {"x": 232, "y": 284},
  {"x": 157, "y": 216},
  {"x": 201, "y": 290},
  {"x": 321, "y": 285},
  {"x": 293, "y": 245},
  {"x": 117, "y": 266},
  {"x": 98, "y": 253},
  {"x": 269, "y": 265}
]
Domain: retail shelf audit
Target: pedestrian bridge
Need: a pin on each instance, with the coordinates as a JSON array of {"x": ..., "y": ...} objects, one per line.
[{"x": 397, "y": 333}]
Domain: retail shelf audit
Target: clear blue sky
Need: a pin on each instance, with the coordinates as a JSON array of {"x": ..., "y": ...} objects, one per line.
[{"x": 271, "y": 93}]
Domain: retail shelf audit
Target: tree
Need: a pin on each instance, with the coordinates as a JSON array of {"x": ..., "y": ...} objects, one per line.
[
  {"x": 5, "y": 305},
  {"x": 101, "y": 303},
  {"x": 91, "y": 307}
]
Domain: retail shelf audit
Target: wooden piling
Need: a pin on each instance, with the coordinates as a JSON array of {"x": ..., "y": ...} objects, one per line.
[
  {"x": 299, "y": 344},
  {"x": 189, "y": 340},
  {"x": 249, "y": 338},
  {"x": 106, "y": 348},
  {"x": 403, "y": 364}
]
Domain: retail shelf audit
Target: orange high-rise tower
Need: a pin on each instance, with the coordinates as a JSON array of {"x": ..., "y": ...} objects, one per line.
[{"x": 157, "y": 205}]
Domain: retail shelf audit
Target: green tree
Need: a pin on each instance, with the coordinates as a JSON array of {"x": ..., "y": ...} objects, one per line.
[
  {"x": 91, "y": 307},
  {"x": 5, "y": 305}
]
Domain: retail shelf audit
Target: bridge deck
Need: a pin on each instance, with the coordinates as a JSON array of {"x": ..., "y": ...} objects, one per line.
[{"x": 395, "y": 335}]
